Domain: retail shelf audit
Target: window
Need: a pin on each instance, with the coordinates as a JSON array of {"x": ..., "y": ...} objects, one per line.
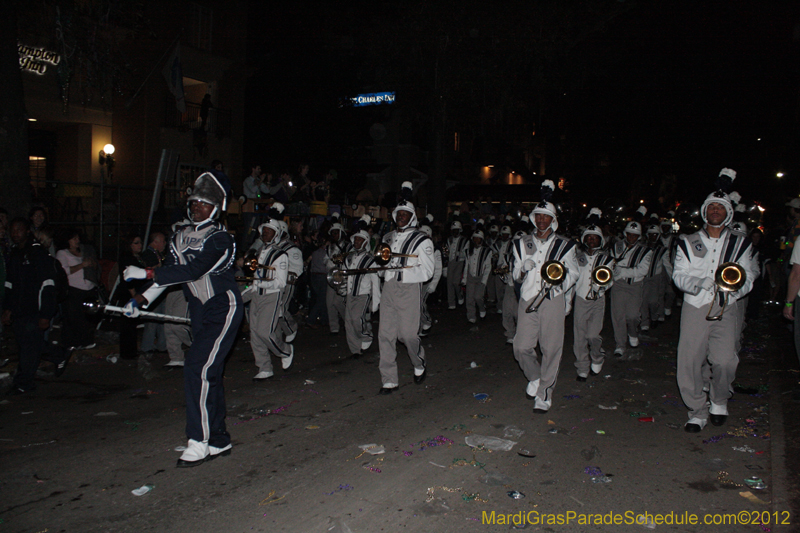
[
  {"x": 37, "y": 170},
  {"x": 201, "y": 25}
]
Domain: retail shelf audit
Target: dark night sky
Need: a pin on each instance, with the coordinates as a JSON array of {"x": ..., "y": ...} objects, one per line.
[{"x": 687, "y": 88}]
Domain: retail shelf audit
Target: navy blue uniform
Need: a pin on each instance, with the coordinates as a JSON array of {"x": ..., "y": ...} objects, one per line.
[{"x": 202, "y": 259}]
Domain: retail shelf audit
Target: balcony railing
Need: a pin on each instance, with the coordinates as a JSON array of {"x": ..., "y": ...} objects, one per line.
[{"x": 217, "y": 123}]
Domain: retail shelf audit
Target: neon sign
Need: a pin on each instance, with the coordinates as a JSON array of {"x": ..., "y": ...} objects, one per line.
[{"x": 36, "y": 59}]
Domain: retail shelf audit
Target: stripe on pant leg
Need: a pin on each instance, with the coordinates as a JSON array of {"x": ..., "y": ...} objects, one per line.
[
  {"x": 273, "y": 328},
  {"x": 212, "y": 356}
]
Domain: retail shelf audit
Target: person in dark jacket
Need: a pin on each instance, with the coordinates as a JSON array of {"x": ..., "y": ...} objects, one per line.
[{"x": 30, "y": 305}]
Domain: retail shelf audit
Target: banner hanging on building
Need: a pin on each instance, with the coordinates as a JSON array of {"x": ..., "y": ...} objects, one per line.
[{"x": 174, "y": 76}]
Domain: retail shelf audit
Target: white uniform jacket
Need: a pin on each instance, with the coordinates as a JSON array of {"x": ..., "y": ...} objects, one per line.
[
  {"x": 295, "y": 256},
  {"x": 555, "y": 247},
  {"x": 632, "y": 262},
  {"x": 479, "y": 263},
  {"x": 437, "y": 270},
  {"x": 271, "y": 255},
  {"x": 412, "y": 242},
  {"x": 586, "y": 265},
  {"x": 698, "y": 258},
  {"x": 361, "y": 284}
]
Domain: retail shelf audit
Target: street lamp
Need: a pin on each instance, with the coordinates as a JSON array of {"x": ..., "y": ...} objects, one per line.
[
  {"x": 779, "y": 174},
  {"x": 106, "y": 162}
]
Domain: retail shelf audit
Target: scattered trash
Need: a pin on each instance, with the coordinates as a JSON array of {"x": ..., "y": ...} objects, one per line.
[
  {"x": 577, "y": 501},
  {"x": 434, "y": 464},
  {"x": 512, "y": 432},
  {"x": 752, "y": 498},
  {"x": 481, "y": 396},
  {"x": 646, "y": 419},
  {"x": 755, "y": 483},
  {"x": 373, "y": 449},
  {"x": 312, "y": 427},
  {"x": 600, "y": 432},
  {"x": 337, "y": 525},
  {"x": 746, "y": 449},
  {"x": 473, "y": 365},
  {"x": 309, "y": 382},
  {"x": 271, "y": 499},
  {"x": 341, "y": 488},
  {"x": 608, "y": 407},
  {"x": 670, "y": 425},
  {"x": 180, "y": 448},
  {"x": 492, "y": 443},
  {"x": 113, "y": 358},
  {"x": 526, "y": 453},
  {"x": 106, "y": 413},
  {"x": 515, "y": 494},
  {"x": 141, "y": 491},
  {"x": 645, "y": 521},
  {"x": 601, "y": 479}
]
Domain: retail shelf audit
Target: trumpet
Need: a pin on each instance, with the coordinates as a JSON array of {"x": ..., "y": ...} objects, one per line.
[
  {"x": 730, "y": 277},
  {"x": 337, "y": 277},
  {"x": 253, "y": 265},
  {"x": 339, "y": 258},
  {"x": 502, "y": 272},
  {"x": 554, "y": 273},
  {"x": 384, "y": 254},
  {"x": 601, "y": 276}
]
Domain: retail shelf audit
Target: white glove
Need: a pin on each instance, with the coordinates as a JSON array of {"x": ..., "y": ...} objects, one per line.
[
  {"x": 431, "y": 289},
  {"x": 707, "y": 284},
  {"x": 134, "y": 272},
  {"x": 528, "y": 265},
  {"x": 131, "y": 309}
]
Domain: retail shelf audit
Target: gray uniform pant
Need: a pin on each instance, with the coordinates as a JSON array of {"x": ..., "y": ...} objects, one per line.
[
  {"x": 454, "y": 272},
  {"x": 545, "y": 327},
  {"x": 265, "y": 334},
  {"x": 651, "y": 289},
  {"x": 356, "y": 323},
  {"x": 400, "y": 305},
  {"x": 287, "y": 322},
  {"x": 425, "y": 320},
  {"x": 510, "y": 309},
  {"x": 475, "y": 294},
  {"x": 702, "y": 339},
  {"x": 491, "y": 288},
  {"x": 335, "y": 304},
  {"x": 176, "y": 334},
  {"x": 588, "y": 323},
  {"x": 669, "y": 292},
  {"x": 626, "y": 300}
]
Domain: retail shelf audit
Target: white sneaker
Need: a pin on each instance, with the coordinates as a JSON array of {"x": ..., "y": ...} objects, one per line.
[
  {"x": 634, "y": 341},
  {"x": 541, "y": 405},
  {"x": 261, "y": 376},
  {"x": 291, "y": 337},
  {"x": 172, "y": 364},
  {"x": 510, "y": 340},
  {"x": 597, "y": 367},
  {"x": 366, "y": 345},
  {"x": 532, "y": 389},
  {"x": 619, "y": 352},
  {"x": 196, "y": 453},
  {"x": 461, "y": 302},
  {"x": 667, "y": 312},
  {"x": 471, "y": 320},
  {"x": 451, "y": 307},
  {"x": 286, "y": 362},
  {"x": 482, "y": 314},
  {"x": 697, "y": 421},
  {"x": 645, "y": 328}
]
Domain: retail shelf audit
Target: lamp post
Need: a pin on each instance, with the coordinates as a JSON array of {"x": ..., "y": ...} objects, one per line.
[{"x": 106, "y": 162}]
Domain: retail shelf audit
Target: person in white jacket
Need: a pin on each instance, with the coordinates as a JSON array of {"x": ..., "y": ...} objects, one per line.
[
  {"x": 590, "y": 301},
  {"x": 652, "y": 310},
  {"x": 295, "y": 255},
  {"x": 266, "y": 335},
  {"x": 545, "y": 326},
  {"x": 697, "y": 260},
  {"x": 456, "y": 245},
  {"x": 476, "y": 273},
  {"x": 363, "y": 295},
  {"x": 428, "y": 288},
  {"x": 631, "y": 262},
  {"x": 402, "y": 293}
]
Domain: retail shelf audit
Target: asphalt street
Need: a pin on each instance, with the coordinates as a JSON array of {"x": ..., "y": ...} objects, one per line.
[{"x": 75, "y": 449}]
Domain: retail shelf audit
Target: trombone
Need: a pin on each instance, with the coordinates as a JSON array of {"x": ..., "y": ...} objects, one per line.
[
  {"x": 601, "y": 276},
  {"x": 730, "y": 277},
  {"x": 553, "y": 273},
  {"x": 337, "y": 276},
  {"x": 384, "y": 254},
  {"x": 253, "y": 265}
]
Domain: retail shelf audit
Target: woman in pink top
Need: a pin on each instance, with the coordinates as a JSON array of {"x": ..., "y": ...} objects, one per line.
[{"x": 77, "y": 333}]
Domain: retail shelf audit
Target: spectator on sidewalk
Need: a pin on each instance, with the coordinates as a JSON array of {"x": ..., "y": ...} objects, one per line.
[{"x": 77, "y": 333}]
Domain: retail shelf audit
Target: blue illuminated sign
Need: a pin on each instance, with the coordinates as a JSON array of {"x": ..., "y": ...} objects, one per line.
[{"x": 373, "y": 99}]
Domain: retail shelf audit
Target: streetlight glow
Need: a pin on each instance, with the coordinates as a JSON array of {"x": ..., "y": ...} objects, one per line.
[
  {"x": 779, "y": 174},
  {"x": 108, "y": 149}
]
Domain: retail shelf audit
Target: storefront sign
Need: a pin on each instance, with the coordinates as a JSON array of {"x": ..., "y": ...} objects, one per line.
[
  {"x": 36, "y": 59},
  {"x": 373, "y": 99}
]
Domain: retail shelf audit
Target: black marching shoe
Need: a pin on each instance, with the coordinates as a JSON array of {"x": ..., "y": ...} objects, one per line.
[
  {"x": 419, "y": 379},
  {"x": 581, "y": 379},
  {"x": 717, "y": 420},
  {"x": 386, "y": 390}
]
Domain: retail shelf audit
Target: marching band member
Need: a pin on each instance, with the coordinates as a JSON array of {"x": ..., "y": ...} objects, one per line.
[
  {"x": 295, "y": 255},
  {"x": 456, "y": 246},
  {"x": 653, "y": 284},
  {"x": 500, "y": 247},
  {"x": 631, "y": 260},
  {"x": 668, "y": 241},
  {"x": 510, "y": 300},
  {"x": 544, "y": 327},
  {"x": 266, "y": 335},
  {"x": 492, "y": 241},
  {"x": 401, "y": 296},
  {"x": 590, "y": 300},
  {"x": 363, "y": 293},
  {"x": 476, "y": 272},
  {"x": 428, "y": 288},
  {"x": 335, "y": 252},
  {"x": 201, "y": 257},
  {"x": 699, "y": 256}
]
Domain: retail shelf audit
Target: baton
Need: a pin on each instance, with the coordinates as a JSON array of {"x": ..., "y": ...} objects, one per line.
[{"x": 95, "y": 307}]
